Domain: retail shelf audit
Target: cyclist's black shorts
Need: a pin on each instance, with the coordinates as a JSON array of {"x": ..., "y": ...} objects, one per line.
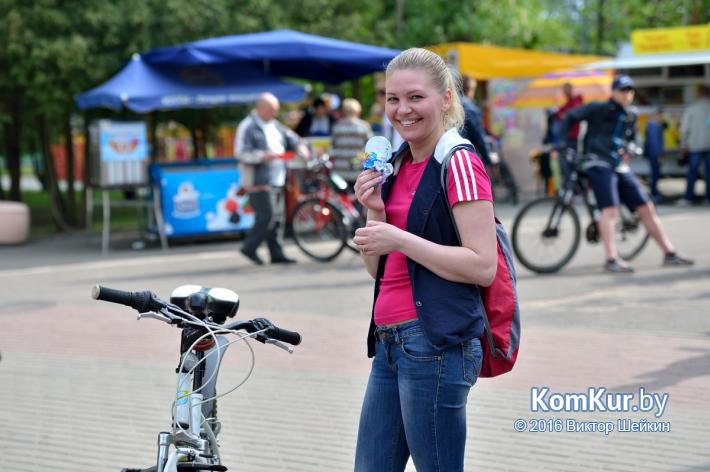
[{"x": 612, "y": 188}]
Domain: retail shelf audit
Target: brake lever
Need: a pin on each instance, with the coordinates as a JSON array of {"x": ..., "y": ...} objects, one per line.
[
  {"x": 155, "y": 316},
  {"x": 283, "y": 346}
]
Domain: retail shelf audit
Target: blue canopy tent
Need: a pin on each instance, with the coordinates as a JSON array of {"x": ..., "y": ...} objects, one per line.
[
  {"x": 142, "y": 87},
  {"x": 281, "y": 53},
  {"x": 226, "y": 71}
]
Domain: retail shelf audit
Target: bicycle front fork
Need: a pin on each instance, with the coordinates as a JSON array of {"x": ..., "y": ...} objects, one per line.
[
  {"x": 163, "y": 450},
  {"x": 191, "y": 450}
]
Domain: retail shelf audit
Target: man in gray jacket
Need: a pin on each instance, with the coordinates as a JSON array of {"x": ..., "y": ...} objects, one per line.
[
  {"x": 695, "y": 138},
  {"x": 259, "y": 142}
]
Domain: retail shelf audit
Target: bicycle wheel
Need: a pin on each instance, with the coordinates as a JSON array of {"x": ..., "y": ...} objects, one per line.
[
  {"x": 631, "y": 235},
  {"x": 318, "y": 229},
  {"x": 546, "y": 235}
]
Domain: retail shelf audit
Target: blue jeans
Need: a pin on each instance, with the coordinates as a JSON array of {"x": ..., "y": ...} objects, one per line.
[
  {"x": 654, "y": 163},
  {"x": 415, "y": 403},
  {"x": 694, "y": 159}
]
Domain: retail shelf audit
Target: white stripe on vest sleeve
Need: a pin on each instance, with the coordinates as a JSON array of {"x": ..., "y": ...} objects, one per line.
[
  {"x": 462, "y": 168},
  {"x": 473, "y": 176},
  {"x": 454, "y": 171}
]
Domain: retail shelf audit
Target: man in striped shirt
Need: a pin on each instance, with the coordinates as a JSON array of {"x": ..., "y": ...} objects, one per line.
[{"x": 349, "y": 136}]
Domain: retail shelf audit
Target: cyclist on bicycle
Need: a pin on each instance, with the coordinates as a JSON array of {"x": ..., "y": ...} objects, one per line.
[{"x": 610, "y": 140}]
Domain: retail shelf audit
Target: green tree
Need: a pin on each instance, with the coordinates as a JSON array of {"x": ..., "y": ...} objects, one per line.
[{"x": 51, "y": 50}]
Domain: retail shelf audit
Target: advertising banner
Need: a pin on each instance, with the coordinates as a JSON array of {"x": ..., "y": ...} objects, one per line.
[
  {"x": 123, "y": 141},
  {"x": 120, "y": 153},
  {"x": 670, "y": 40},
  {"x": 198, "y": 201}
]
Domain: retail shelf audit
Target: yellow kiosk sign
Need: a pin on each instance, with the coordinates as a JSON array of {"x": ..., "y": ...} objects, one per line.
[{"x": 670, "y": 40}]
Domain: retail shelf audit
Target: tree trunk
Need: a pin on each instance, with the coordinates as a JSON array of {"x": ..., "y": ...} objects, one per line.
[
  {"x": 2, "y": 189},
  {"x": 195, "y": 143},
  {"x": 600, "y": 27},
  {"x": 356, "y": 88},
  {"x": 152, "y": 135},
  {"x": 399, "y": 21},
  {"x": 56, "y": 204},
  {"x": 88, "y": 166},
  {"x": 12, "y": 149},
  {"x": 38, "y": 164},
  {"x": 694, "y": 12},
  {"x": 69, "y": 152},
  {"x": 204, "y": 133}
]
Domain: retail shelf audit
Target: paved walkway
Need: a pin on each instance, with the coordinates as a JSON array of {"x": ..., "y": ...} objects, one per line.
[{"x": 87, "y": 387}]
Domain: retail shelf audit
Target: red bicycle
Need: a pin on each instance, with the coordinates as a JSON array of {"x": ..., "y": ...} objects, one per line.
[{"x": 326, "y": 217}]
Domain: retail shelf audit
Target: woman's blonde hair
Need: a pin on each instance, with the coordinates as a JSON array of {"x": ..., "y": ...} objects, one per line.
[{"x": 439, "y": 73}]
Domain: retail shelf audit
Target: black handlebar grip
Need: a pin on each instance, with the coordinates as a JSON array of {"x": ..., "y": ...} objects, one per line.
[
  {"x": 285, "y": 335},
  {"x": 140, "y": 301}
]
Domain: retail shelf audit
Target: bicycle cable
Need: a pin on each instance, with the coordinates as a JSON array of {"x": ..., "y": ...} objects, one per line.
[
  {"x": 215, "y": 397},
  {"x": 212, "y": 332}
]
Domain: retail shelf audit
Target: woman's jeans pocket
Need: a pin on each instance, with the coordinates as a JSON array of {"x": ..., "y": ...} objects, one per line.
[
  {"x": 417, "y": 347},
  {"x": 472, "y": 360}
]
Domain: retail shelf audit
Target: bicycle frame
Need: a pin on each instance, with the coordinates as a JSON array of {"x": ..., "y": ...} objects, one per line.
[
  {"x": 577, "y": 186},
  {"x": 340, "y": 199},
  {"x": 335, "y": 188},
  {"x": 191, "y": 408},
  {"x": 200, "y": 313}
]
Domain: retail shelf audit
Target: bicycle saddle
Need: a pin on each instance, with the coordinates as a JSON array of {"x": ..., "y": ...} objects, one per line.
[{"x": 203, "y": 302}]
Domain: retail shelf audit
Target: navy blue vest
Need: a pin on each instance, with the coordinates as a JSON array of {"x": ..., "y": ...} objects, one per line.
[{"x": 449, "y": 312}]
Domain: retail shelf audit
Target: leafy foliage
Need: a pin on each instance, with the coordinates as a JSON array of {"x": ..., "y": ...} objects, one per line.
[{"x": 51, "y": 50}]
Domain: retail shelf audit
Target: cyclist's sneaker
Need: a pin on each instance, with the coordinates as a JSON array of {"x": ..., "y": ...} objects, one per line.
[
  {"x": 673, "y": 259},
  {"x": 616, "y": 267}
]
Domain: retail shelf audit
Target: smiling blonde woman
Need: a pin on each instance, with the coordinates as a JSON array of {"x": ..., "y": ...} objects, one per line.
[{"x": 427, "y": 318}]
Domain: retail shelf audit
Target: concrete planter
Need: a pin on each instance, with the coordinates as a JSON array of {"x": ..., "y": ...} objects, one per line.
[{"x": 14, "y": 223}]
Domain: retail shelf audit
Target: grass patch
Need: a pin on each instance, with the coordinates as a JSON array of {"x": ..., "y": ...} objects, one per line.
[{"x": 122, "y": 218}]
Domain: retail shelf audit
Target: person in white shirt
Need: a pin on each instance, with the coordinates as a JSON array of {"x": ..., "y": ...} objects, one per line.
[{"x": 259, "y": 142}]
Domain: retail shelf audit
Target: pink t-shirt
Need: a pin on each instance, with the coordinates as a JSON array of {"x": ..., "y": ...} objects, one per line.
[{"x": 467, "y": 182}]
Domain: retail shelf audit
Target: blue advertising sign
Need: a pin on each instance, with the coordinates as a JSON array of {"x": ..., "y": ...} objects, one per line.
[
  {"x": 199, "y": 200},
  {"x": 122, "y": 141}
]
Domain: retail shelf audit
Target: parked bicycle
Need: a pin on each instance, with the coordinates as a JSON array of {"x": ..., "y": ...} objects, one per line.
[
  {"x": 325, "y": 219},
  {"x": 192, "y": 443},
  {"x": 547, "y": 231}
]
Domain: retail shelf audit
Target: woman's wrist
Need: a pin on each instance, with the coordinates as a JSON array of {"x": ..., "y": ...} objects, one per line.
[
  {"x": 376, "y": 215},
  {"x": 405, "y": 242}
]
